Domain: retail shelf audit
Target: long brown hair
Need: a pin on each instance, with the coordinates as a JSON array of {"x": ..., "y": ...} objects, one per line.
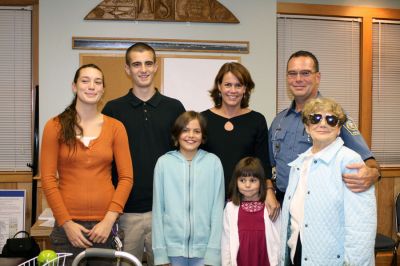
[{"x": 69, "y": 118}]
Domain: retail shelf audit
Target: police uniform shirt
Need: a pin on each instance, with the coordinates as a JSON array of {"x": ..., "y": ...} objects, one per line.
[{"x": 288, "y": 138}]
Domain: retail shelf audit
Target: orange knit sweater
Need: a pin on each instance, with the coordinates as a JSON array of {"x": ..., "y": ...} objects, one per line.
[{"x": 83, "y": 190}]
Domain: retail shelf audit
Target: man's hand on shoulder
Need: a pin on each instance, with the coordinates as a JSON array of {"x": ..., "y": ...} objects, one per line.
[{"x": 365, "y": 177}]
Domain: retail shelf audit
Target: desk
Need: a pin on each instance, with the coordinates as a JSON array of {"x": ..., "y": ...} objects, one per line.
[
  {"x": 11, "y": 261},
  {"x": 41, "y": 235}
]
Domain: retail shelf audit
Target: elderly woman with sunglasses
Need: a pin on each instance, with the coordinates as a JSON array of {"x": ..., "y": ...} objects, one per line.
[{"x": 323, "y": 222}]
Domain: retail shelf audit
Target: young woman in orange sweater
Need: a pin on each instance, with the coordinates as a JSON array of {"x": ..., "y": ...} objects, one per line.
[{"x": 78, "y": 149}]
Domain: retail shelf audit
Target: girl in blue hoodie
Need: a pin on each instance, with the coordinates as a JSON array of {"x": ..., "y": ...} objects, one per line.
[{"x": 188, "y": 199}]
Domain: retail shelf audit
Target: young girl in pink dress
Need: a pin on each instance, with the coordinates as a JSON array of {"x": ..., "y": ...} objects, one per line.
[{"x": 249, "y": 237}]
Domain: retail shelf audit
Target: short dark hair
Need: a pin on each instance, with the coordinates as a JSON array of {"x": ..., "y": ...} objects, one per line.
[
  {"x": 244, "y": 77},
  {"x": 303, "y": 53},
  {"x": 182, "y": 121},
  {"x": 248, "y": 166},
  {"x": 139, "y": 47}
]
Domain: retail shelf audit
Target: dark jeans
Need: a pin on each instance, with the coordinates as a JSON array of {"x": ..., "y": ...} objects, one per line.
[
  {"x": 280, "y": 196},
  {"x": 61, "y": 244}
]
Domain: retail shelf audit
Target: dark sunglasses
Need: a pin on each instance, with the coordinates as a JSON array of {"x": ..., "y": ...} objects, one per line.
[{"x": 331, "y": 120}]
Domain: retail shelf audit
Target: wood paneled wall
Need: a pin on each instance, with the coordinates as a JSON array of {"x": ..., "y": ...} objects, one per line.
[{"x": 386, "y": 192}]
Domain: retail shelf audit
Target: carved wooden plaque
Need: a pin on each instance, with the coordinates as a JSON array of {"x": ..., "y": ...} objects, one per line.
[{"x": 163, "y": 10}]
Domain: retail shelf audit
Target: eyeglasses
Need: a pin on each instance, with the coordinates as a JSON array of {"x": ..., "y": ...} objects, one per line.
[
  {"x": 331, "y": 120},
  {"x": 302, "y": 73}
]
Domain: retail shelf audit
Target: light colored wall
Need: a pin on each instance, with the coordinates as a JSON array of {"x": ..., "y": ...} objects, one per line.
[{"x": 60, "y": 20}]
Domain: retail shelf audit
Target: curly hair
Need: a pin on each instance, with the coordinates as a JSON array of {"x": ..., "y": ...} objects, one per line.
[{"x": 323, "y": 105}]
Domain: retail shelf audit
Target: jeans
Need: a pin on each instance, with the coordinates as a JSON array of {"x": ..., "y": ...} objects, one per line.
[
  {"x": 137, "y": 235},
  {"x": 61, "y": 244},
  {"x": 280, "y": 196},
  {"x": 183, "y": 261}
]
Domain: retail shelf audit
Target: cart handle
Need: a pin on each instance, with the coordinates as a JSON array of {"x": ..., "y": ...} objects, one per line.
[{"x": 105, "y": 253}]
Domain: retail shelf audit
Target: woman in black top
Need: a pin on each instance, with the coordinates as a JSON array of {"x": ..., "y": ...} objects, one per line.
[{"x": 234, "y": 130}]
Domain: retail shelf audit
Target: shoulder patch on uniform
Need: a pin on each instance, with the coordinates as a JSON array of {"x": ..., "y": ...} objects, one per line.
[{"x": 351, "y": 127}]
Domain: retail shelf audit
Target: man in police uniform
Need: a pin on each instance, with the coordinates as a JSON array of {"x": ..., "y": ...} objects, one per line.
[{"x": 288, "y": 137}]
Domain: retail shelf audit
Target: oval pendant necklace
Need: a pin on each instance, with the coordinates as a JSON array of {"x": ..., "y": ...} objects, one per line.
[{"x": 228, "y": 126}]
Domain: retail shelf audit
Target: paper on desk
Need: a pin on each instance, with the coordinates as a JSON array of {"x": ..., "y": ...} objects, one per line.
[
  {"x": 48, "y": 223},
  {"x": 47, "y": 216}
]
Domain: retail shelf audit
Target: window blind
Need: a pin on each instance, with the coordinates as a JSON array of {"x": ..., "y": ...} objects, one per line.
[
  {"x": 15, "y": 90},
  {"x": 336, "y": 44},
  {"x": 386, "y": 92}
]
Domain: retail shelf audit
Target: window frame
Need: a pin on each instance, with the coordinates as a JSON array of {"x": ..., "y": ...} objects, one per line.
[
  {"x": 290, "y": 32},
  {"x": 385, "y": 122},
  {"x": 367, "y": 15},
  {"x": 24, "y": 176}
]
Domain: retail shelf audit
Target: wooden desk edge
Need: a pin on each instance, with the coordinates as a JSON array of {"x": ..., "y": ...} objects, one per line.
[{"x": 40, "y": 231}]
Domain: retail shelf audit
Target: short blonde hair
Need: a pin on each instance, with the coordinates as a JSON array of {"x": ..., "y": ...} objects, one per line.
[{"x": 313, "y": 106}]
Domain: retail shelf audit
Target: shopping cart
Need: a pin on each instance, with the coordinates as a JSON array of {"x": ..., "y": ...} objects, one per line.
[
  {"x": 59, "y": 261},
  {"x": 105, "y": 253}
]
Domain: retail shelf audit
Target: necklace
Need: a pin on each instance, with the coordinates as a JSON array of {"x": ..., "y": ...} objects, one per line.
[{"x": 228, "y": 126}]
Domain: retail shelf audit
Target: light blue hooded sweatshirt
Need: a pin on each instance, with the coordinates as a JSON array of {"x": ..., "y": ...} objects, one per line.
[{"x": 188, "y": 202}]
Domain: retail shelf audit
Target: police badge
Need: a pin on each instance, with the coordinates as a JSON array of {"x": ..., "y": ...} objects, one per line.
[{"x": 350, "y": 126}]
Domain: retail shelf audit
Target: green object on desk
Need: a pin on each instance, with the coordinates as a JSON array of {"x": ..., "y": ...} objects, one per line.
[{"x": 46, "y": 256}]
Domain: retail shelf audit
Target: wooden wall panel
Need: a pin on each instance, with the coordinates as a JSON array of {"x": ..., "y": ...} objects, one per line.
[
  {"x": 385, "y": 195},
  {"x": 386, "y": 192},
  {"x": 116, "y": 80}
]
